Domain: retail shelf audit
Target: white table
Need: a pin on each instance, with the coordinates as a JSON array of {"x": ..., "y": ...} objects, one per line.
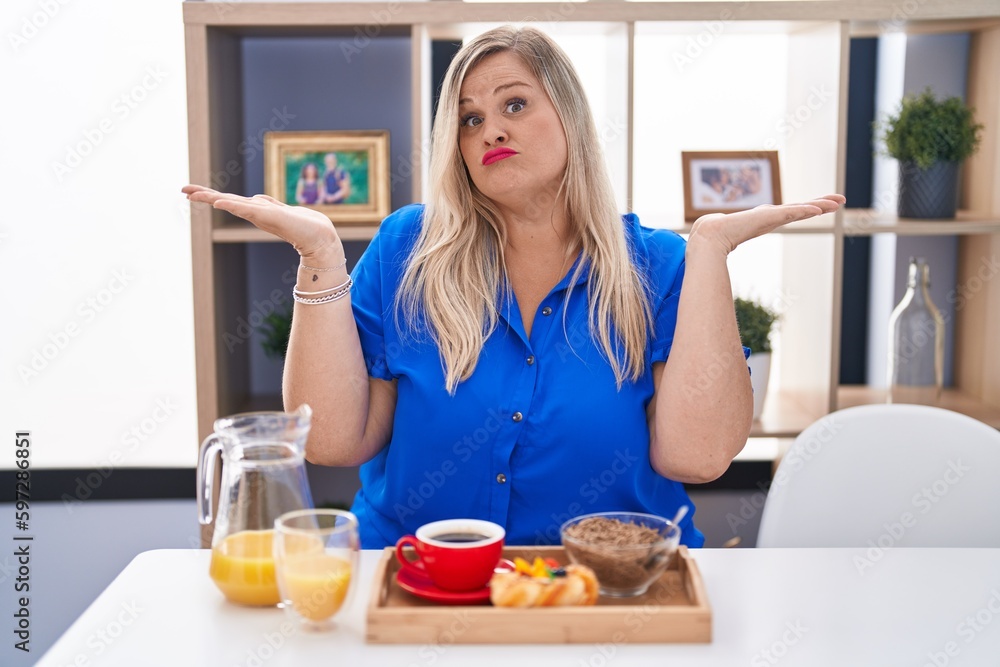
[{"x": 770, "y": 606}]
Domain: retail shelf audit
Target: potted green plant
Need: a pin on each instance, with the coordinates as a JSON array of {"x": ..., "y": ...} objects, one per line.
[
  {"x": 756, "y": 322},
  {"x": 276, "y": 328},
  {"x": 930, "y": 138}
]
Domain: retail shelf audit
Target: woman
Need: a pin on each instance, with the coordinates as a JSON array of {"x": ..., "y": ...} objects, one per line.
[
  {"x": 308, "y": 189},
  {"x": 516, "y": 350}
]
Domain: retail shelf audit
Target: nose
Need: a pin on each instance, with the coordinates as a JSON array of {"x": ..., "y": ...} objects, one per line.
[
  {"x": 493, "y": 133},
  {"x": 499, "y": 138}
]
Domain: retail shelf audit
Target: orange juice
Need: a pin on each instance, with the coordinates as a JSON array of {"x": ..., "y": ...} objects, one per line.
[
  {"x": 316, "y": 584},
  {"x": 243, "y": 568}
]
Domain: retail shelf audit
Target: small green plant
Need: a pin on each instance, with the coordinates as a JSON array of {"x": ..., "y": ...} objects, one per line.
[
  {"x": 276, "y": 328},
  {"x": 926, "y": 130},
  {"x": 755, "y": 322}
]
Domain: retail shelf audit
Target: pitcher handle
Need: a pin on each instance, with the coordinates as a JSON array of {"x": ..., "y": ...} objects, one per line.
[{"x": 206, "y": 476}]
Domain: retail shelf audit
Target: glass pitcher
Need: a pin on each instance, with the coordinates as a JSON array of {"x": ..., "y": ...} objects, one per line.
[{"x": 263, "y": 476}]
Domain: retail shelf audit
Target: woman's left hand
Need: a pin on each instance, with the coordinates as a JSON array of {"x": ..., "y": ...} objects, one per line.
[{"x": 728, "y": 230}]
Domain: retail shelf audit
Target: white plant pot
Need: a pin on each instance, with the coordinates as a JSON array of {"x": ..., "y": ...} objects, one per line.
[{"x": 760, "y": 371}]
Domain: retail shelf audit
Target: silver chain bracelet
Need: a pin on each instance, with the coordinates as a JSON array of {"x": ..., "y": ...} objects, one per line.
[{"x": 332, "y": 294}]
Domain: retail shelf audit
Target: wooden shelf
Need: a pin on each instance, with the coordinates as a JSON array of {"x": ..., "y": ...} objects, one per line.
[
  {"x": 822, "y": 225},
  {"x": 785, "y": 416},
  {"x": 916, "y": 27},
  {"x": 306, "y": 14},
  {"x": 764, "y": 449},
  {"x": 236, "y": 232},
  {"x": 857, "y": 222},
  {"x": 783, "y": 419},
  {"x": 951, "y": 399},
  {"x": 865, "y": 222},
  {"x": 670, "y": 27}
]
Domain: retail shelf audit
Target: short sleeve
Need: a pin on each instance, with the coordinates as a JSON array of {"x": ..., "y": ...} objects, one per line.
[
  {"x": 666, "y": 321},
  {"x": 370, "y": 310},
  {"x": 665, "y": 318}
]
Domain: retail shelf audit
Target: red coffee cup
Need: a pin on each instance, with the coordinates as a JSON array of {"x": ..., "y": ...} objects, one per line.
[{"x": 456, "y": 554}]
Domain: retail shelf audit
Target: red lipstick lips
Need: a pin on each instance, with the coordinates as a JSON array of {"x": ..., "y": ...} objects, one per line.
[{"x": 497, "y": 154}]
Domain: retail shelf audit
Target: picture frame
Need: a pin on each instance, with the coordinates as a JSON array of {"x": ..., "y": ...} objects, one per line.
[
  {"x": 341, "y": 173},
  {"x": 728, "y": 181}
]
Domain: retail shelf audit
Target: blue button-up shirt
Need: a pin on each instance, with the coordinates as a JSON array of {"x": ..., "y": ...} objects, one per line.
[{"x": 539, "y": 433}]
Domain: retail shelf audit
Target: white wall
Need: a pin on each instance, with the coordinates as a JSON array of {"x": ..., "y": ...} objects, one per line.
[
  {"x": 729, "y": 95},
  {"x": 684, "y": 101},
  {"x": 95, "y": 240}
]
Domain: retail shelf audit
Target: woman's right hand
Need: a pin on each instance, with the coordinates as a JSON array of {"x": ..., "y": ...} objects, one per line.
[{"x": 309, "y": 231}]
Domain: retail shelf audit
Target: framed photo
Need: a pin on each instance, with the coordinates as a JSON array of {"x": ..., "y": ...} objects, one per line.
[
  {"x": 729, "y": 181},
  {"x": 344, "y": 174}
]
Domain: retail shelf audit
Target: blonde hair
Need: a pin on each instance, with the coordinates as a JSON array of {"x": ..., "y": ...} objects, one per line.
[{"x": 456, "y": 270}]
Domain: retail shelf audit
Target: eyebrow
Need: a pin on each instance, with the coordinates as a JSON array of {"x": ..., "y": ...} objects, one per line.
[{"x": 503, "y": 86}]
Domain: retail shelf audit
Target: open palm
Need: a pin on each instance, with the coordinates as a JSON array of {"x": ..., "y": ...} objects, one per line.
[
  {"x": 306, "y": 229},
  {"x": 728, "y": 230}
]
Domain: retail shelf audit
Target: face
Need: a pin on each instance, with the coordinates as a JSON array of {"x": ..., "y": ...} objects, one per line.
[
  {"x": 503, "y": 106},
  {"x": 331, "y": 162}
]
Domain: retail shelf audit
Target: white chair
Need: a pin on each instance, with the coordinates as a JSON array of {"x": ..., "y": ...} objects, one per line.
[{"x": 883, "y": 476}]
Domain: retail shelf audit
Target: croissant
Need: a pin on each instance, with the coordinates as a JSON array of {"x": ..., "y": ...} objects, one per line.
[{"x": 515, "y": 589}]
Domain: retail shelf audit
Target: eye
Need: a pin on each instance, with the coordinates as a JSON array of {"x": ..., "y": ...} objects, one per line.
[
  {"x": 469, "y": 120},
  {"x": 515, "y": 105}
]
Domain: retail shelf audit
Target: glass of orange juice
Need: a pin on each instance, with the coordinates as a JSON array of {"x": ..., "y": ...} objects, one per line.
[{"x": 316, "y": 561}]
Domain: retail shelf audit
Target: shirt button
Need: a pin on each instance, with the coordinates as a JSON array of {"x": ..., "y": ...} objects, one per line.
[
  {"x": 530, "y": 359},
  {"x": 546, "y": 311},
  {"x": 501, "y": 478},
  {"x": 517, "y": 416}
]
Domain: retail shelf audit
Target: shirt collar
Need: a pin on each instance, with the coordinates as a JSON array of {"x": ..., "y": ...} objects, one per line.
[
  {"x": 584, "y": 274},
  {"x": 512, "y": 316}
]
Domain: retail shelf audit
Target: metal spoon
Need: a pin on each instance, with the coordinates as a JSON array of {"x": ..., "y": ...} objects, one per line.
[{"x": 658, "y": 555}]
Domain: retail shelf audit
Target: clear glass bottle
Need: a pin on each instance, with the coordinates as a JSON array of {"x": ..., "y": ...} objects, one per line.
[{"x": 916, "y": 342}]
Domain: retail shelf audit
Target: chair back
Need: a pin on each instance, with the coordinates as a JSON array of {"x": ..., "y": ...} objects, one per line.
[{"x": 883, "y": 476}]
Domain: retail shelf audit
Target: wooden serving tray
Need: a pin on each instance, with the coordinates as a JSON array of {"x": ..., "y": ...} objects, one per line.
[{"x": 675, "y": 609}]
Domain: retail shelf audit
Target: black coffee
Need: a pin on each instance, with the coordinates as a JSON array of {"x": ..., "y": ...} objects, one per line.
[{"x": 461, "y": 537}]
